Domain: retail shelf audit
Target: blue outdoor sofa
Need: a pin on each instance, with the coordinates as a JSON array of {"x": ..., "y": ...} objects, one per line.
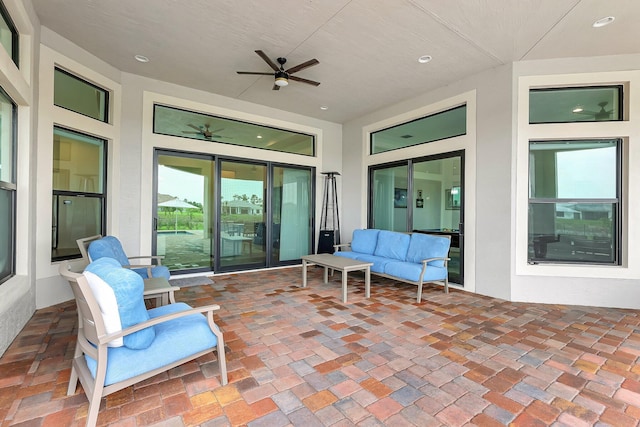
[{"x": 414, "y": 258}]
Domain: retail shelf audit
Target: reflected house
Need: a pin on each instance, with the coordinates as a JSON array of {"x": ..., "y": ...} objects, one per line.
[{"x": 241, "y": 207}]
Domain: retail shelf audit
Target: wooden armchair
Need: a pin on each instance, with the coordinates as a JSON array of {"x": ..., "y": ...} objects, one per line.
[{"x": 108, "y": 358}]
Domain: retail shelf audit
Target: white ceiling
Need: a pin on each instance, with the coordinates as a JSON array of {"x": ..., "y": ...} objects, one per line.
[{"x": 368, "y": 49}]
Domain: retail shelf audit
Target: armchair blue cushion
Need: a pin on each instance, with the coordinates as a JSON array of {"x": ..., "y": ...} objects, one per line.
[
  {"x": 174, "y": 339},
  {"x": 110, "y": 247},
  {"x": 128, "y": 288}
]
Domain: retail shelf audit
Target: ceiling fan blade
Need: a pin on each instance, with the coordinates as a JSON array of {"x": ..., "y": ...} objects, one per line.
[
  {"x": 266, "y": 59},
  {"x": 302, "y": 66},
  {"x": 191, "y": 133},
  {"x": 301, "y": 80},
  {"x": 276, "y": 87},
  {"x": 195, "y": 127},
  {"x": 258, "y": 73}
]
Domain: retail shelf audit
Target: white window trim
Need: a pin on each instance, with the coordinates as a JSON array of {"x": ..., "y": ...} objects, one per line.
[{"x": 627, "y": 130}]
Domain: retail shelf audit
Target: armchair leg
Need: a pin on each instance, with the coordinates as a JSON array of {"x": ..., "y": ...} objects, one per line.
[
  {"x": 419, "y": 292},
  {"x": 222, "y": 362}
]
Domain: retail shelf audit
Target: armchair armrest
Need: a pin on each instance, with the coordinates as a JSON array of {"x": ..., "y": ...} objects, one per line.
[
  {"x": 342, "y": 245},
  {"x": 209, "y": 309},
  {"x": 428, "y": 260},
  {"x": 147, "y": 266}
]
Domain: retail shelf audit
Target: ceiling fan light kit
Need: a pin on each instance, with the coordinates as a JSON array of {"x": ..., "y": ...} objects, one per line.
[{"x": 281, "y": 75}]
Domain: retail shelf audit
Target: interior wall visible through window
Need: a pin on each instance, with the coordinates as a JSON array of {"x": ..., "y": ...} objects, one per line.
[{"x": 79, "y": 190}]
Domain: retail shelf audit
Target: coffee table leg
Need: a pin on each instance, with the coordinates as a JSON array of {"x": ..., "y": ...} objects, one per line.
[
  {"x": 326, "y": 275},
  {"x": 344, "y": 285},
  {"x": 304, "y": 273},
  {"x": 367, "y": 282}
]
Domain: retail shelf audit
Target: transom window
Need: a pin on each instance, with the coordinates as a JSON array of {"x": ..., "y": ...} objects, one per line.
[
  {"x": 575, "y": 104},
  {"x": 8, "y": 34},
  {"x": 574, "y": 201},
  {"x": 446, "y": 124},
  {"x": 190, "y": 124},
  {"x": 80, "y": 96}
]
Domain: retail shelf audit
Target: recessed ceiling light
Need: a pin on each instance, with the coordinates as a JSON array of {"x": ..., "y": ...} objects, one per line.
[
  {"x": 578, "y": 109},
  {"x": 424, "y": 59},
  {"x": 141, "y": 58},
  {"x": 324, "y": 107},
  {"x": 259, "y": 136},
  {"x": 604, "y": 21}
]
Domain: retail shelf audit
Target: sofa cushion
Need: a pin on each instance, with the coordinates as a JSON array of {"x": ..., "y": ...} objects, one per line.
[
  {"x": 106, "y": 298},
  {"x": 364, "y": 241},
  {"x": 392, "y": 244},
  {"x": 425, "y": 246},
  {"x": 128, "y": 288},
  {"x": 175, "y": 339},
  {"x": 378, "y": 262},
  {"x": 411, "y": 271}
]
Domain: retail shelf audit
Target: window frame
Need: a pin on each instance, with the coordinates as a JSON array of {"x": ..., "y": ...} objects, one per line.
[
  {"x": 107, "y": 97},
  {"x": 410, "y": 122},
  {"x": 229, "y": 121},
  {"x": 15, "y": 36},
  {"x": 620, "y": 106},
  {"x": 617, "y": 202},
  {"x": 102, "y": 196},
  {"x": 11, "y": 187}
]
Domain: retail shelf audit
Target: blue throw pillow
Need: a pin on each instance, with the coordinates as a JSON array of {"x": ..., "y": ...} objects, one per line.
[
  {"x": 128, "y": 288},
  {"x": 425, "y": 246}
]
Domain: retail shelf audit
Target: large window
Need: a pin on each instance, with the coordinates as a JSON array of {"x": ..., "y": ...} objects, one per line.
[
  {"x": 78, "y": 95},
  {"x": 8, "y": 114},
  {"x": 79, "y": 189},
  {"x": 446, "y": 124},
  {"x": 574, "y": 201},
  {"x": 190, "y": 124},
  {"x": 8, "y": 34}
]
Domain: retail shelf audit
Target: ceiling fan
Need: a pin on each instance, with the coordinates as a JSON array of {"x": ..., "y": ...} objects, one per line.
[
  {"x": 281, "y": 75},
  {"x": 204, "y": 131},
  {"x": 603, "y": 114}
]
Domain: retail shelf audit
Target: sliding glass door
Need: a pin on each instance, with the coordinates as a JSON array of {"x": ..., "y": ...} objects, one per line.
[
  {"x": 230, "y": 214},
  {"x": 438, "y": 194},
  {"x": 243, "y": 230},
  {"x": 424, "y": 195},
  {"x": 292, "y": 214},
  {"x": 184, "y": 211}
]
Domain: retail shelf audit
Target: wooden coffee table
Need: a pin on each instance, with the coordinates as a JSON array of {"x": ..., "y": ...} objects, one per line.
[
  {"x": 160, "y": 289},
  {"x": 344, "y": 265}
]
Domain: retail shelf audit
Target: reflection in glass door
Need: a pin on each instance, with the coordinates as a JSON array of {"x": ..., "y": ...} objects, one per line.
[
  {"x": 243, "y": 222},
  {"x": 184, "y": 211}
]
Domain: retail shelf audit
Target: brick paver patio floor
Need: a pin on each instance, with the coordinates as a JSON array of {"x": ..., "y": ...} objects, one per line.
[{"x": 300, "y": 357}]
